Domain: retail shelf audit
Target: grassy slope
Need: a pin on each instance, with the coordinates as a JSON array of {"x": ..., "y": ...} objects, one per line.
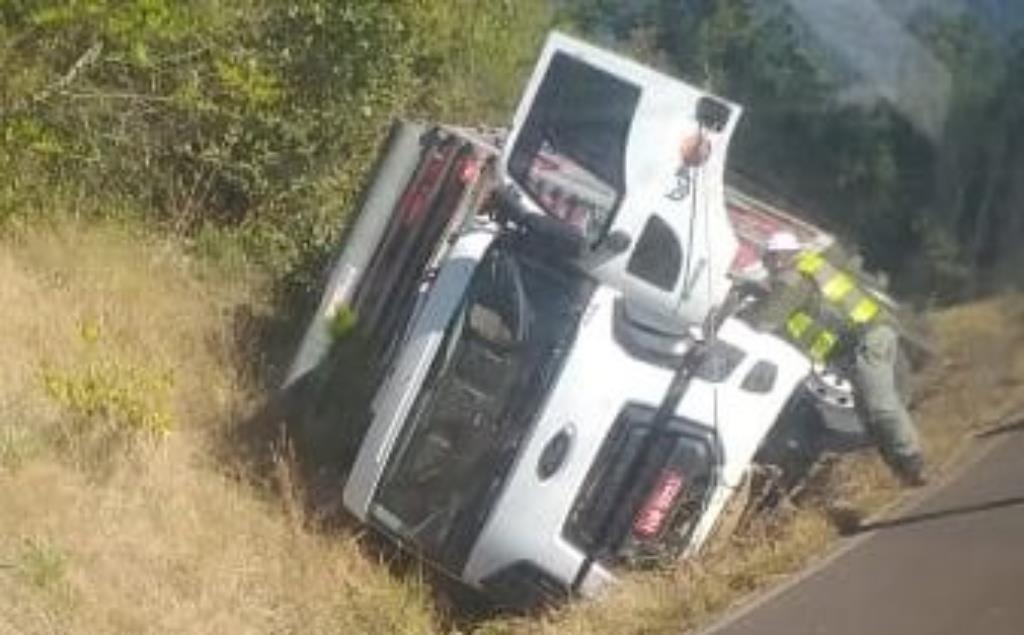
[{"x": 121, "y": 378}]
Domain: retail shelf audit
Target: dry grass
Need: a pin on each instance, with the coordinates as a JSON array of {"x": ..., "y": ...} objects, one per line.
[{"x": 119, "y": 374}]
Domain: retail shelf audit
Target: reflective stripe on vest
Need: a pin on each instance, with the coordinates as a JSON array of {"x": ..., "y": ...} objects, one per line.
[
  {"x": 839, "y": 290},
  {"x": 865, "y": 311},
  {"x": 810, "y": 336}
]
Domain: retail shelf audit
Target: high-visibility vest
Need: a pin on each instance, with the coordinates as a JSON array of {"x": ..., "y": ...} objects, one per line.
[{"x": 843, "y": 299}]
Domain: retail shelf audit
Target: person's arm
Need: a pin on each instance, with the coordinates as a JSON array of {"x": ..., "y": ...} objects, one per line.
[
  {"x": 788, "y": 294},
  {"x": 742, "y": 291}
]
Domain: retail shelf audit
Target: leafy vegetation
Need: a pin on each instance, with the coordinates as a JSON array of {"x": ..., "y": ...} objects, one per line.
[
  {"x": 255, "y": 116},
  {"x": 249, "y": 124},
  {"x": 113, "y": 396}
]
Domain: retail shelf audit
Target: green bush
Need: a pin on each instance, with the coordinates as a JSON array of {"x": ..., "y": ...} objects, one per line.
[
  {"x": 257, "y": 115},
  {"x": 113, "y": 396}
]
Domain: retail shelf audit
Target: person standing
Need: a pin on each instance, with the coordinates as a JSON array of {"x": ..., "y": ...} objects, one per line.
[{"x": 818, "y": 307}]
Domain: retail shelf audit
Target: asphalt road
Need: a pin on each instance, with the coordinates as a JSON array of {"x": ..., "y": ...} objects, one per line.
[{"x": 951, "y": 564}]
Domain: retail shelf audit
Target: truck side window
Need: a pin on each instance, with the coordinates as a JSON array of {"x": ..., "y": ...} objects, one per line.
[
  {"x": 658, "y": 256},
  {"x": 495, "y": 311}
]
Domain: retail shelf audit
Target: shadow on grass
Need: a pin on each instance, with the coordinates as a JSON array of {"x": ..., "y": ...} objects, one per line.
[
  {"x": 298, "y": 445},
  {"x": 1015, "y": 424},
  {"x": 306, "y": 469},
  {"x": 265, "y": 338}
]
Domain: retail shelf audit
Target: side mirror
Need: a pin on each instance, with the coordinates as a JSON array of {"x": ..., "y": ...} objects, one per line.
[{"x": 712, "y": 113}]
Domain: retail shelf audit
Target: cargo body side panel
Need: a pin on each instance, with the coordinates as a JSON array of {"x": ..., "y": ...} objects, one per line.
[
  {"x": 400, "y": 156},
  {"x": 428, "y": 183}
]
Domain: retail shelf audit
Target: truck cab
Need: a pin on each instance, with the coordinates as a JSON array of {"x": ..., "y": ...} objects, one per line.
[
  {"x": 634, "y": 161},
  {"x": 514, "y": 414},
  {"x": 527, "y": 431}
]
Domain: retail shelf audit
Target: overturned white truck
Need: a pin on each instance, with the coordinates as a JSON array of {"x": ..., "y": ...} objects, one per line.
[{"x": 536, "y": 390}]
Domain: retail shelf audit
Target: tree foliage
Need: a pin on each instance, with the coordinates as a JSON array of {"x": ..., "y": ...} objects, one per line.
[{"x": 253, "y": 114}]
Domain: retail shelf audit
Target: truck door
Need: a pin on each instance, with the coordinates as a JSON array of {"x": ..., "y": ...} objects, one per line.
[{"x": 633, "y": 160}]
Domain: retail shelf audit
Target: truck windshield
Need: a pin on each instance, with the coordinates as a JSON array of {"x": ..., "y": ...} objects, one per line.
[
  {"x": 571, "y": 152},
  {"x": 500, "y": 353}
]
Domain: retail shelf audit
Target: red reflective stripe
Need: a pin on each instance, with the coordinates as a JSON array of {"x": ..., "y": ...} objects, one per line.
[
  {"x": 414, "y": 202},
  {"x": 469, "y": 170},
  {"x": 655, "y": 510}
]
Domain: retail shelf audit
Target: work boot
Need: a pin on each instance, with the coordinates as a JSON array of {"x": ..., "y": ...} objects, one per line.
[
  {"x": 910, "y": 470},
  {"x": 845, "y": 517}
]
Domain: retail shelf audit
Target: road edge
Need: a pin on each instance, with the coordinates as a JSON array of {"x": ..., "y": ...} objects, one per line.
[{"x": 972, "y": 452}]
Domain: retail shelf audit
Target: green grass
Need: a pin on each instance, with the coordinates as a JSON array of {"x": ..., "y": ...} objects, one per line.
[{"x": 41, "y": 563}]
